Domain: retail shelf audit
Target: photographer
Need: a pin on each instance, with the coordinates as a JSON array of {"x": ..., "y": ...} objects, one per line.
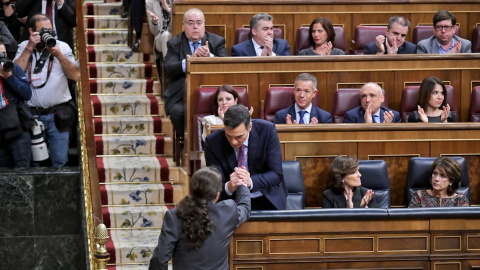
[
  {"x": 15, "y": 152},
  {"x": 49, "y": 63}
]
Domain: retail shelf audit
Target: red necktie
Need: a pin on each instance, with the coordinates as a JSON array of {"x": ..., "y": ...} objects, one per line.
[{"x": 48, "y": 10}]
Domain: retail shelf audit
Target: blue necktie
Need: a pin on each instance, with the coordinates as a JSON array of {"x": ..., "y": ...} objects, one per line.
[
  {"x": 195, "y": 46},
  {"x": 301, "y": 121},
  {"x": 375, "y": 118}
]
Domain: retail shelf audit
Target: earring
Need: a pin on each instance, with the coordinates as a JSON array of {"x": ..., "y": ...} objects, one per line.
[
  {"x": 449, "y": 188},
  {"x": 343, "y": 183}
]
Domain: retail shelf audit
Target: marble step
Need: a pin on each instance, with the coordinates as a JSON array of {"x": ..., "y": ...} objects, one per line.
[
  {"x": 129, "y": 145},
  {"x": 112, "y": 8},
  {"x": 115, "y": 54},
  {"x": 128, "y": 125},
  {"x": 107, "y": 37},
  {"x": 105, "y": 22},
  {"x": 135, "y": 217},
  {"x": 120, "y": 70},
  {"x": 140, "y": 105},
  {"x": 140, "y": 194},
  {"x": 127, "y": 86},
  {"x": 132, "y": 246}
]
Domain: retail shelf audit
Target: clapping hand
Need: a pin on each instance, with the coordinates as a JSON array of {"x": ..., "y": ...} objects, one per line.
[
  {"x": 202, "y": 51},
  {"x": 445, "y": 113},
  {"x": 366, "y": 199},
  {"x": 268, "y": 47},
  {"x": 421, "y": 114}
]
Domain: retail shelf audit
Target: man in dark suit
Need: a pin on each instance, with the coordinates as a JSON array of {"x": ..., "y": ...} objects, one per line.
[
  {"x": 262, "y": 42},
  {"x": 444, "y": 39},
  {"x": 371, "y": 110},
  {"x": 192, "y": 41},
  {"x": 61, "y": 12},
  {"x": 394, "y": 42},
  {"x": 248, "y": 153},
  {"x": 303, "y": 111}
]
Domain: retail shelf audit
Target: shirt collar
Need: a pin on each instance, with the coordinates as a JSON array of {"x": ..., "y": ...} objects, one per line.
[
  {"x": 440, "y": 48},
  {"x": 308, "y": 109}
]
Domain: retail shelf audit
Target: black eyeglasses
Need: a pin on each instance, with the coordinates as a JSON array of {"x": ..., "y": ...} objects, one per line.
[{"x": 445, "y": 27}]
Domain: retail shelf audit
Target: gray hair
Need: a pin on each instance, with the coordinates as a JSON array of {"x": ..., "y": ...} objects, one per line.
[
  {"x": 193, "y": 10},
  {"x": 258, "y": 17},
  {"x": 400, "y": 20},
  {"x": 306, "y": 77},
  {"x": 378, "y": 87}
]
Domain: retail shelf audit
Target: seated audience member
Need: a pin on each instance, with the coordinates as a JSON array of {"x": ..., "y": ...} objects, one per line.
[
  {"x": 371, "y": 110},
  {"x": 159, "y": 18},
  {"x": 321, "y": 39},
  {"x": 394, "y": 41},
  {"x": 262, "y": 42},
  {"x": 444, "y": 39},
  {"x": 432, "y": 104},
  {"x": 344, "y": 186},
  {"x": 225, "y": 97},
  {"x": 303, "y": 111},
  {"x": 197, "y": 233},
  {"x": 194, "y": 41},
  {"x": 15, "y": 147},
  {"x": 248, "y": 153},
  {"x": 445, "y": 180}
]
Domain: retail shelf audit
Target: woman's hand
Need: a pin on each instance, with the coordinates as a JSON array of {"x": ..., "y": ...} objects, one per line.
[
  {"x": 250, "y": 111},
  {"x": 165, "y": 5},
  {"x": 221, "y": 113},
  {"x": 153, "y": 17},
  {"x": 348, "y": 196},
  {"x": 325, "y": 49},
  {"x": 366, "y": 199},
  {"x": 421, "y": 114},
  {"x": 445, "y": 113}
]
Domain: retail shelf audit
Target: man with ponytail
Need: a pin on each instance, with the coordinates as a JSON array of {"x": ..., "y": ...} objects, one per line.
[{"x": 196, "y": 234}]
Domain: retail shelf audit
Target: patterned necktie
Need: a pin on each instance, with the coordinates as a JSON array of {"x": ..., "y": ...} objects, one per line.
[
  {"x": 375, "y": 118},
  {"x": 241, "y": 157},
  {"x": 301, "y": 121},
  {"x": 48, "y": 9}
]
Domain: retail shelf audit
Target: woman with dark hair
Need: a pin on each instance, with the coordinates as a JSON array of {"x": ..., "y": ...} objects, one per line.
[
  {"x": 321, "y": 39},
  {"x": 432, "y": 104},
  {"x": 225, "y": 97},
  {"x": 446, "y": 174},
  {"x": 344, "y": 183},
  {"x": 196, "y": 234}
]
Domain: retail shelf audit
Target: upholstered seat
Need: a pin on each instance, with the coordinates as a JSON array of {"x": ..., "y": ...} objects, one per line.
[
  {"x": 243, "y": 34},
  {"x": 476, "y": 39},
  {"x": 410, "y": 100},
  {"x": 375, "y": 177},
  {"x": 279, "y": 97},
  {"x": 204, "y": 106},
  {"x": 365, "y": 34},
  {"x": 301, "y": 39},
  {"x": 346, "y": 99},
  {"x": 292, "y": 174},
  {"x": 419, "y": 176},
  {"x": 421, "y": 32},
  {"x": 475, "y": 105}
]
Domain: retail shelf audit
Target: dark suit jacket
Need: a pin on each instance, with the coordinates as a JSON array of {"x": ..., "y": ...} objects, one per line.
[
  {"x": 430, "y": 45},
  {"x": 226, "y": 216},
  {"x": 65, "y": 19},
  {"x": 356, "y": 115},
  {"x": 264, "y": 160},
  {"x": 331, "y": 199},
  {"x": 406, "y": 48},
  {"x": 321, "y": 115},
  {"x": 178, "y": 49},
  {"x": 246, "y": 48}
]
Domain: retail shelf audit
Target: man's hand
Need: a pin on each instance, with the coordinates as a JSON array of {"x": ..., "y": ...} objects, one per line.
[
  {"x": 235, "y": 182},
  {"x": 445, "y": 113},
  {"x": 268, "y": 47},
  {"x": 202, "y": 51},
  {"x": 392, "y": 49},
  {"x": 289, "y": 120},
  {"x": 456, "y": 47},
  {"x": 34, "y": 40},
  {"x": 388, "y": 117},
  {"x": 379, "y": 40},
  {"x": 55, "y": 51},
  {"x": 421, "y": 114},
  {"x": 368, "y": 114},
  {"x": 244, "y": 175},
  {"x": 314, "y": 120}
]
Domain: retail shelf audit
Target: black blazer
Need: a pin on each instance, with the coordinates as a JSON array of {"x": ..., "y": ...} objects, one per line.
[
  {"x": 65, "y": 19},
  {"x": 321, "y": 115},
  {"x": 406, "y": 48},
  {"x": 331, "y": 199},
  {"x": 178, "y": 49}
]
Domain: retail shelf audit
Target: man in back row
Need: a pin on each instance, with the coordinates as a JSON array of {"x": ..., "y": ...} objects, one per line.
[
  {"x": 394, "y": 41},
  {"x": 262, "y": 42}
]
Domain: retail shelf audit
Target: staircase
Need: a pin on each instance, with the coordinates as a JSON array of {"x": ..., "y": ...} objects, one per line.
[{"x": 133, "y": 138}]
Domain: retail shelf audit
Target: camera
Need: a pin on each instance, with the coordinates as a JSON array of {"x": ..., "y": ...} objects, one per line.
[
  {"x": 39, "y": 147},
  {"x": 48, "y": 37},
  {"x": 5, "y": 63}
]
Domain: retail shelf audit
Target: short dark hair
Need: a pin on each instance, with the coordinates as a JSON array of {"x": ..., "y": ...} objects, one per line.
[
  {"x": 224, "y": 88},
  {"x": 426, "y": 89},
  {"x": 443, "y": 15},
  {"x": 400, "y": 20},
  {"x": 452, "y": 169},
  {"x": 327, "y": 25},
  {"x": 39, "y": 17},
  {"x": 236, "y": 115},
  {"x": 339, "y": 168},
  {"x": 258, "y": 17}
]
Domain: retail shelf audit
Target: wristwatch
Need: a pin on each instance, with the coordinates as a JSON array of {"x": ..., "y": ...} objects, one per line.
[{"x": 6, "y": 3}]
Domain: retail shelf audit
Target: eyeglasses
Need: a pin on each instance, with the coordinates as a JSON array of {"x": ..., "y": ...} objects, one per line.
[{"x": 444, "y": 27}]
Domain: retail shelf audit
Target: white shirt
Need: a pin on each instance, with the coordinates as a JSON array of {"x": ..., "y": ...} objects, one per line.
[{"x": 306, "y": 116}]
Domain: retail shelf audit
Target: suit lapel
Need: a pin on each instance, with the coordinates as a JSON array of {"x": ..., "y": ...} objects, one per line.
[
  {"x": 251, "y": 48},
  {"x": 252, "y": 146},
  {"x": 185, "y": 46},
  {"x": 435, "y": 48},
  {"x": 293, "y": 113},
  {"x": 229, "y": 153}
]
